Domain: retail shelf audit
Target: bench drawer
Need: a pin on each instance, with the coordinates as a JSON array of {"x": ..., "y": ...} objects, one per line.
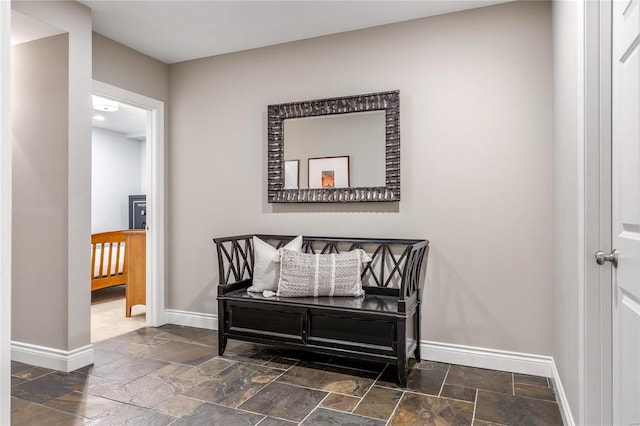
[
  {"x": 276, "y": 322},
  {"x": 352, "y": 331}
]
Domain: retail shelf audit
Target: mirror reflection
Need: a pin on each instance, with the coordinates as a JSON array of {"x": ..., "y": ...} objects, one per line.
[{"x": 335, "y": 151}]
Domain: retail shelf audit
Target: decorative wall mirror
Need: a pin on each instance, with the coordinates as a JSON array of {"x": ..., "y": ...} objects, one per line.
[{"x": 337, "y": 150}]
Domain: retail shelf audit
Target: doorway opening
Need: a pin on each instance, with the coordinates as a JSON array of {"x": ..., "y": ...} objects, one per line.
[
  {"x": 118, "y": 175},
  {"x": 136, "y": 183}
]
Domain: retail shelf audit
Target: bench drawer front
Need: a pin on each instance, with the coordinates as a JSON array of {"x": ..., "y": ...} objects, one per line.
[
  {"x": 352, "y": 331},
  {"x": 266, "y": 321}
]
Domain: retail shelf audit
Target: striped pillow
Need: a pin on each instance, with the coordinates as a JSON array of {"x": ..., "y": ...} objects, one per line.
[{"x": 307, "y": 274}]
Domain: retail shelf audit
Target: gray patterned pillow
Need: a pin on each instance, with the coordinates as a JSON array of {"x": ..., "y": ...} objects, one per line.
[{"x": 307, "y": 274}]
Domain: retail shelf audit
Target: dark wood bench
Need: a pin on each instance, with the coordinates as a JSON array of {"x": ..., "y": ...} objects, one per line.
[{"x": 383, "y": 325}]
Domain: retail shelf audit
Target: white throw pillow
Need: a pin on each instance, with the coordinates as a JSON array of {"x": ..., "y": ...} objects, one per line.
[
  {"x": 266, "y": 271},
  {"x": 307, "y": 274}
]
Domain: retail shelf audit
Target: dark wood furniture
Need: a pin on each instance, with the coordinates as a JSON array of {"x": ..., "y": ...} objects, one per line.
[{"x": 383, "y": 325}]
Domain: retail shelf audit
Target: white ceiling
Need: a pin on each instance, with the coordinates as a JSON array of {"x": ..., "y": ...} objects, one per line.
[
  {"x": 176, "y": 31},
  {"x": 128, "y": 119}
]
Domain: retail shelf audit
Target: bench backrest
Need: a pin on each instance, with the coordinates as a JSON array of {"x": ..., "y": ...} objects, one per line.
[{"x": 397, "y": 264}]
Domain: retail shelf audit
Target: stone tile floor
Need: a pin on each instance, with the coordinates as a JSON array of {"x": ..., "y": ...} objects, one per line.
[{"x": 172, "y": 375}]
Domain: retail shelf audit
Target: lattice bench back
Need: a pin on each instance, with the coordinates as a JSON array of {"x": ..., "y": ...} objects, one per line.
[{"x": 396, "y": 264}]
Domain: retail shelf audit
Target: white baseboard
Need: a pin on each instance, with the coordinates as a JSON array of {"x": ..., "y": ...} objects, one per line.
[
  {"x": 191, "y": 319},
  {"x": 494, "y": 359},
  {"x": 561, "y": 397},
  {"x": 55, "y": 359}
]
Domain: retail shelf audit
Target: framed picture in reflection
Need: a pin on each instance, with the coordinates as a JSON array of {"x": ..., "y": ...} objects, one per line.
[
  {"x": 328, "y": 172},
  {"x": 291, "y": 174}
]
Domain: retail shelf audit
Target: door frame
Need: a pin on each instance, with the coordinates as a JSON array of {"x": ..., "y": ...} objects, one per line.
[
  {"x": 5, "y": 211},
  {"x": 155, "y": 285},
  {"x": 595, "y": 322}
]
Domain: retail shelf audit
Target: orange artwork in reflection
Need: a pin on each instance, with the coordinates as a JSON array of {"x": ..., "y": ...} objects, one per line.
[{"x": 328, "y": 179}]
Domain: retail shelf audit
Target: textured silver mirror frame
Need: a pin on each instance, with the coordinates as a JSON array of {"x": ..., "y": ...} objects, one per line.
[{"x": 387, "y": 101}]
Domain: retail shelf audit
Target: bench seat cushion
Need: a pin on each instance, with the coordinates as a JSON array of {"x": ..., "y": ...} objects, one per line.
[{"x": 368, "y": 302}]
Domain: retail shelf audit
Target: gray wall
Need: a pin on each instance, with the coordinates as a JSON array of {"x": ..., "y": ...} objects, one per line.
[
  {"x": 116, "y": 173},
  {"x": 567, "y": 206},
  {"x": 123, "y": 67},
  {"x": 63, "y": 289},
  {"x": 40, "y": 95},
  {"x": 476, "y": 162}
]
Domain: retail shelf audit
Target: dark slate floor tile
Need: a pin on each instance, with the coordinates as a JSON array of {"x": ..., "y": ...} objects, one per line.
[
  {"x": 81, "y": 404},
  {"x": 458, "y": 392},
  {"x": 211, "y": 414},
  {"x": 428, "y": 378},
  {"x": 17, "y": 367},
  {"x": 481, "y": 423},
  {"x": 330, "y": 378},
  {"x": 165, "y": 382},
  {"x": 425, "y": 377},
  {"x": 32, "y": 373},
  {"x": 284, "y": 401},
  {"x": 234, "y": 385},
  {"x": 26, "y": 413},
  {"x": 129, "y": 368},
  {"x": 415, "y": 409},
  {"x": 479, "y": 378},
  {"x": 250, "y": 353},
  {"x": 120, "y": 346},
  {"x": 214, "y": 366},
  {"x": 539, "y": 392},
  {"x": 131, "y": 415},
  {"x": 378, "y": 403},
  {"x": 272, "y": 421},
  {"x": 181, "y": 333},
  {"x": 210, "y": 339},
  {"x": 281, "y": 363},
  {"x": 180, "y": 352},
  {"x": 324, "y": 417},
  {"x": 181, "y": 377},
  {"x": 530, "y": 380},
  {"x": 146, "y": 392},
  {"x": 178, "y": 406},
  {"x": 507, "y": 409},
  {"x": 17, "y": 380},
  {"x": 49, "y": 387},
  {"x": 337, "y": 401},
  {"x": 147, "y": 336}
]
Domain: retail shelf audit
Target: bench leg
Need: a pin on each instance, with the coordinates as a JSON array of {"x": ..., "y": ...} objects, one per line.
[
  {"x": 417, "y": 332},
  {"x": 403, "y": 371},
  {"x": 222, "y": 343}
]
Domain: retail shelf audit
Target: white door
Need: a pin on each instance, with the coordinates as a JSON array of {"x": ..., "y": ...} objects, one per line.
[{"x": 626, "y": 211}]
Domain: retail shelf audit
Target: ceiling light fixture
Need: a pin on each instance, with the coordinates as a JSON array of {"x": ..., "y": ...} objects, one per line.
[
  {"x": 98, "y": 117},
  {"x": 106, "y": 105}
]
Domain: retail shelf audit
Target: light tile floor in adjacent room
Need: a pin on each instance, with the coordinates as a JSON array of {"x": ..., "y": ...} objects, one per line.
[
  {"x": 172, "y": 375},
  {"x": 108, "y": 317}
]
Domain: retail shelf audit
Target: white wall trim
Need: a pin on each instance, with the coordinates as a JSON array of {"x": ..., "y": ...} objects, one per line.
[
  {"x": 561, "y": 397},
  {"x": 191, "y": 319},
  {"x": 5, "y": 212},
  {"x": 155, "y": 195},
  {"x": 494, "y": 359},
  {"x": 55, "y": 359}
]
